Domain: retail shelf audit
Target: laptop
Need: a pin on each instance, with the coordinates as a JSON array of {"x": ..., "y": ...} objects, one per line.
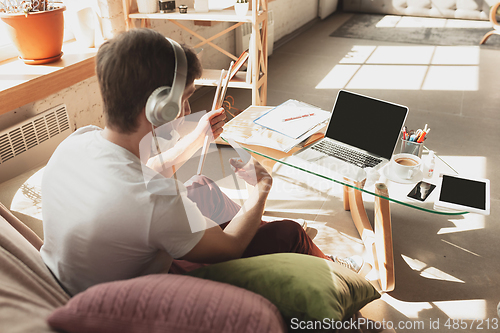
[{"x": 362, "y": 133}]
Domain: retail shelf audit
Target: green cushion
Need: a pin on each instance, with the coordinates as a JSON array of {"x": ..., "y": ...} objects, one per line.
[{"x": 301, "y": 286}]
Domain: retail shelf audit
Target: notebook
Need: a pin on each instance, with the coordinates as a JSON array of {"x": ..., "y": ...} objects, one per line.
[{"x": 362, "y": 133}]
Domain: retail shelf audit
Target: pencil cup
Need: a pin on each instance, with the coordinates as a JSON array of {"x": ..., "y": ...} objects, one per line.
[{"x": 411, "y": 147}]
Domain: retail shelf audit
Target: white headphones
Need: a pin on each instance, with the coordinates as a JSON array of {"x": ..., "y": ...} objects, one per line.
[{"x": 165, "y": 103}]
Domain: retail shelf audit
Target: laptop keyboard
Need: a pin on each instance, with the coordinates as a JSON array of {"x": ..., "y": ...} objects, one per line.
[{"x": 346, "y": 154}]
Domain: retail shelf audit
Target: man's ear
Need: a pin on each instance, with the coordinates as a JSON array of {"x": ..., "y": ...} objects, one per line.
[{"x": 142, "y": 117}]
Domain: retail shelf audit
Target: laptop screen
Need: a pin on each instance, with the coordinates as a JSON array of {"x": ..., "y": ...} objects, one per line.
[{"x": 366, "y": 123}]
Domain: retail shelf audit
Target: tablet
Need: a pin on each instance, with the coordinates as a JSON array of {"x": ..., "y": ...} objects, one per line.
[{"x": 465, "y": 194}]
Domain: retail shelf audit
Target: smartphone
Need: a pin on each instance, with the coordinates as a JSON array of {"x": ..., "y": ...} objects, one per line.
[{"x": 421, "y": 191}]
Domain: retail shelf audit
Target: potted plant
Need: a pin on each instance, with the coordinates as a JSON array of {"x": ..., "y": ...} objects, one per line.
[
  {"x": 241, "y": 7},
  {"x": 36, "y": 28}
]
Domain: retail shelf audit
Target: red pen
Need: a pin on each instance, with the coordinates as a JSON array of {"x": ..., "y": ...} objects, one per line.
[
  {"x": 421, "y": 138},
  {"x": 303, "y": 116}
]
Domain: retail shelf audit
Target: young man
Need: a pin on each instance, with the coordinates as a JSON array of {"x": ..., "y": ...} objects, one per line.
[{"x": 102, "y": 222}]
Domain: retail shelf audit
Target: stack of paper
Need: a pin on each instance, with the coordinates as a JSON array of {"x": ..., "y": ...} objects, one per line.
[
  {"x": 293, "y": 118},
  {"x": 288, "y": 124}
]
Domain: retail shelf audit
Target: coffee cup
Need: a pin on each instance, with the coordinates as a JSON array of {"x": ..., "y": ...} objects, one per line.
[{"x": 405, "y": 166}]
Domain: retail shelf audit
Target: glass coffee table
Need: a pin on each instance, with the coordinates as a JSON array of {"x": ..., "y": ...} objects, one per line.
[{"x": 377, "y": 239}]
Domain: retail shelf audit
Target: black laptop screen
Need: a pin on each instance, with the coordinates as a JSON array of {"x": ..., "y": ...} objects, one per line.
[{"x": 366, "y": 123}]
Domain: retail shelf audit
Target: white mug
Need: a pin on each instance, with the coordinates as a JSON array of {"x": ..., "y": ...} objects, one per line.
[{"x": 405, "y": 166}]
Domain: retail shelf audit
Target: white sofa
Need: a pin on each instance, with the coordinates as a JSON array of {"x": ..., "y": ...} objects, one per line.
[{"x": 459, "y": 9}]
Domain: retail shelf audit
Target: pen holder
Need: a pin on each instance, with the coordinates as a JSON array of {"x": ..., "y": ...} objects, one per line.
[{"x": 411, "y": 147}]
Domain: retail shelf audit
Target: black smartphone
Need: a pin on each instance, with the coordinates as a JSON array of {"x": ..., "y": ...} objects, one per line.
[{"x": 421, "y": 191}]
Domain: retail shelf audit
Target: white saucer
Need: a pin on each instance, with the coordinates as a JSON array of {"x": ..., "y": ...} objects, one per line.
[{"x": 416, "y": 178}]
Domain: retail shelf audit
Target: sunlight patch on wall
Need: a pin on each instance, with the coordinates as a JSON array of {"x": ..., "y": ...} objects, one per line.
[{"x": 28, "y": 198}]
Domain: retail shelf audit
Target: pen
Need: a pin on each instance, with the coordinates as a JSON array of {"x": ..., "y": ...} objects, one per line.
[
  {"x": 422, "y": 137},
  {"x": 303, "y": 116}
]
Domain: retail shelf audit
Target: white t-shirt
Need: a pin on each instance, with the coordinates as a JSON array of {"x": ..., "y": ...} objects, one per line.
[{"x": 101, "y": 223}]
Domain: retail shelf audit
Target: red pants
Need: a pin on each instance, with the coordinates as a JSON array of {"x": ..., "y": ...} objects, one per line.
[{"x": 271, "y": 237}]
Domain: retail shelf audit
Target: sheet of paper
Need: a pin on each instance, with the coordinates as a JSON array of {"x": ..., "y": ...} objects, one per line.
[
  {"x": 278, "y": 141},
  {"x": 293, "y": 118}
]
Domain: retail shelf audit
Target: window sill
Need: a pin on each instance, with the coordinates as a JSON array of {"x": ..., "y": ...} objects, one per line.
[{"x": 21, "y": 84}]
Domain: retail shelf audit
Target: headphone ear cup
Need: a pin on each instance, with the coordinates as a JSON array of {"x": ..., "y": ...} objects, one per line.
[
  {"x": 169, "y": 112},
  {"x": 160, "y": 108},
  {"x": 165, "y": 103}
]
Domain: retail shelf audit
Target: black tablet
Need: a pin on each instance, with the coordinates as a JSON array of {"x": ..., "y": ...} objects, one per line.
[{"x": 464, "y": 193}]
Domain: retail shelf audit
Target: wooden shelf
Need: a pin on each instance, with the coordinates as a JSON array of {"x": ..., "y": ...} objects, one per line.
[
  {"x": 211, "y": 77},
  {"x": 21, "y": 84},
  {"x": 258, "y": 50}
]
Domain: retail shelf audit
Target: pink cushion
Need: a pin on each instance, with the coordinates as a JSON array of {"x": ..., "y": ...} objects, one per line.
[{"x": 167, "y": 303}]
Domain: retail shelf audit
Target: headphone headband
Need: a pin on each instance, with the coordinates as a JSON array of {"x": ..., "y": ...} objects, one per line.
[{"x": 165, "y": 103}]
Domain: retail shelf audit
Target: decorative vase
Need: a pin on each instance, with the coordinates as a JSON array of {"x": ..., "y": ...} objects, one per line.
[
  {"x": 241, "y": 9},
  {"x": 147, "y": 6},
  {"x": 37, "y": 36},
  {"x": 201, "y": 6}
]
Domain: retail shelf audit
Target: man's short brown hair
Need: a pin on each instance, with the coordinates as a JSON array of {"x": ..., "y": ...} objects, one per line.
[{"x": 130, "y": 67}]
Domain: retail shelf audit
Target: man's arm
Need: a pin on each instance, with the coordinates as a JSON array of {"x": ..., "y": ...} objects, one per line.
[
  {"x": 219, "y": 245},
  {"x": 175, "y": 157}
]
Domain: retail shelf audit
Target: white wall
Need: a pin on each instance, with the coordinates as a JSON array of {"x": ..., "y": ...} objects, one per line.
[
  {"x": 290, "y": 15},
  {"x": 83, "y": 102}
]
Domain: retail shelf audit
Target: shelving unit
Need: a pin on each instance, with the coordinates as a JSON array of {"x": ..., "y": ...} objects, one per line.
[{"x": 258, "y": 50}]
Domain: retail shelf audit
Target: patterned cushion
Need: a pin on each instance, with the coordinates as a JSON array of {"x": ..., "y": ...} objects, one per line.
[
  {"x": 167, "y": 303},
  {"x": 302, "y": 287}
]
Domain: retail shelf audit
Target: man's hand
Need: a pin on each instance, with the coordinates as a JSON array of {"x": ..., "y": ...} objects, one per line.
[
  {"x": 253, "y": 173},
  {"x": 214, "y": 120}
]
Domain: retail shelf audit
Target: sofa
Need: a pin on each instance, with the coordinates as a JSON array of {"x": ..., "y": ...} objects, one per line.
[
  {"x": 458, "y": 9},
  {"x": 210, "y": 300}
]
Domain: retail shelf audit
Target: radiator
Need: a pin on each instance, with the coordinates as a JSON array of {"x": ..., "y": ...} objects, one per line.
[
  {"x": 31, "y": 143},
  {"x": 243, "y": 33}
]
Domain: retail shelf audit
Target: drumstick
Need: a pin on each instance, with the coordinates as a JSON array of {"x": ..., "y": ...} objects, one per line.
[
  {"x": 206, "y": 142},
  {"x": 224, "y": 86},
  {"x": 217, "y": 91}
]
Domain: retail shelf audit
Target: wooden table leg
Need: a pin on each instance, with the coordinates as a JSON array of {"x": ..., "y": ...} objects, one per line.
[
  {"x": 383, "y": 239},
  {"x": 358, "y": 213},
  {"x": 378, "y": 242}
]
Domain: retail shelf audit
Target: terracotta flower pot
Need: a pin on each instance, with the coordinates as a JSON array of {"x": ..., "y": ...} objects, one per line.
[{"x": 38, "y": 37}]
